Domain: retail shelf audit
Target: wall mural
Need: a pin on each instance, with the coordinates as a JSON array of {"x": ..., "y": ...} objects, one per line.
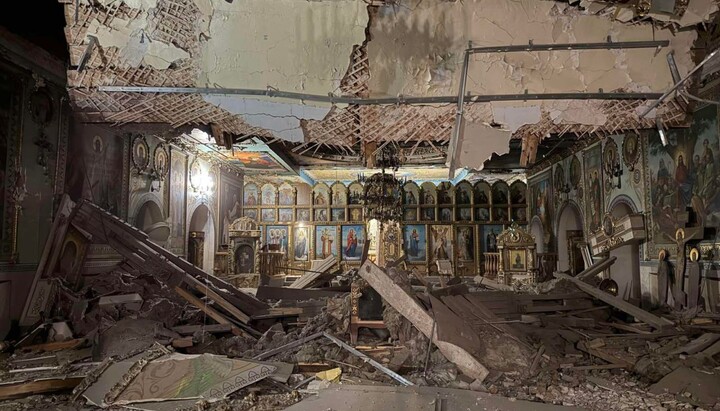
[
  {"x": 353, "y": 240},
  {"x": 684, "y": 174},
  {"x": 540, "y": 203},
  {"x": 94, "y": 172},
  {"x": 301, "y": 241},
  {"x": 178, "y": 191},
  {"x": 230, "y": 193},
  {"x": 594, "y": 206},
  {"x": 325, "y": 237}
]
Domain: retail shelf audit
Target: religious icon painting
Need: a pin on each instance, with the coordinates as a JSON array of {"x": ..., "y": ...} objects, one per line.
[
  {"x": 415, "y": 242},
  {"x": 356, "y": 214},
  {"x": 301, "y": 243},
  {"x": 268, "y": 215},
  {"x": 500, "y": 193},
  {"x": 410, "y": 214},
  {"x": 250, "y": 213},
  {"x": 465, "y": 239},
  {"x": 268, "y": 194},
  {"x": 302, "y": 215},
  {"x": 446, "y": 214},
  {"x": 428, "y": 214},
  {"x": 463, "y": 193},
  {"x": 518, "y": 260},
  {"x": 594, "y": 206},
  {"x": 429, "y": 193},
  {"x": 518, "y": 193},
  {"x": 488, "y": 236},
  {"x": 285, "y": 215},
  {"x": 411, "y": 193},
  {"x": 160, "y": 160},
  {"x": 611, "y": 159},
  {"x": 286, "y": 194},
  {"x": 444, "y": 193},
  {"x": 482, "y": 214},
  {"x": 356, "y": 193},
  {"x": 339, "y": 196},
  {"x": 441, "y": 242},
  {"x": 321, "y": 195},
  {"x": 500, "y": 214},
  {"x": 140, "y": 153},
  {"x": 519, "y": 214},
  {"x": 631, "y": 150},
  {"x": 279, "y": 236},
  {"x": 325, "y": 241},
  {"x": 251, "y": 197},
  {"x": 337, "y": 214},
  {"x": 481, "y": 193},
  {"x": 353, "y": 241},
  {"x": 465, "y": 214},
  {"x": 321, "y": 214},
  {"x": 575, "y": 172}
]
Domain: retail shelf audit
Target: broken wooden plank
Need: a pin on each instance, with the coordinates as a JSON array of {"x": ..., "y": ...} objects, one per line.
[
  {"x": 319, "y": 270},
  {"x": 624, "y": 327},
  {"x": 605, "y": 356},
  {"x": 596, "y": 268},
  {"x": 56, "y": 346},
  {"x": 222, "y": 302},
  {"x": 208, "y": 310},
  {"x": 24, "y": 389},
  {"x": 698, "y": 344},
  {"x": 619, "y": 303},
  {"x": 455, "y": 289},
  {"x": 593, "y": 367},
  {"x": 484, "y": 281},
  {"x": 409, "y": 308}
]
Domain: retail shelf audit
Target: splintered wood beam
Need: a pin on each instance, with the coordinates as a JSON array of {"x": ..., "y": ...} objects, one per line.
[
  {"x": 409, "y": 308},
  {"x": 619, "y": 303},
  {"x": 24, "y": 389},
  {"x": 222, "y": 302},
  {"x": 219, "y": 318},
  {"x": 529, "y": 150}
]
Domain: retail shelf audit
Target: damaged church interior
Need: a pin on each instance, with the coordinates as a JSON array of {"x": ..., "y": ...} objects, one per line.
[{"x": 360, "y": 205}]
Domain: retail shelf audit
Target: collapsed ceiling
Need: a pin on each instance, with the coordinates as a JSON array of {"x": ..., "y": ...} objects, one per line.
[{"x": 398, "y": 50}]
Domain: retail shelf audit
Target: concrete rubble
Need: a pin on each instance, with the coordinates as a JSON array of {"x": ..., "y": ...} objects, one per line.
[{"x": 144, "y": 340}]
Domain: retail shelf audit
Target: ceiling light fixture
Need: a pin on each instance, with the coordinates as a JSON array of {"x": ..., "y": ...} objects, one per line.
[{"x": 661, "y": 131}]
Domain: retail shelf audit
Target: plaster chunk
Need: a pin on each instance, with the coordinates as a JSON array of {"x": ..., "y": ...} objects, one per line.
[
  {"x": 513, "y": 116},
  {"x": 135, "y": 4},
  {"x": 295, "y": 46},
  {"x": 479, "y": 142}
]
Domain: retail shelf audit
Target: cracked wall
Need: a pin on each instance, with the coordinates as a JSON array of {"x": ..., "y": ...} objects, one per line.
[{"x": 417, "y": 49}]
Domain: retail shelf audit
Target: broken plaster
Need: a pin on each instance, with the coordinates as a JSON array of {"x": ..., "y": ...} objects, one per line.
[
  {"x": 136, "y": 47},
  {"x": 279, "y": 118},
  {"x": 479, "y": 142}
]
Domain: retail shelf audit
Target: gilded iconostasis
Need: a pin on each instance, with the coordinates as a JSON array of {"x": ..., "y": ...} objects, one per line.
[{"x": 439, "y": 221}]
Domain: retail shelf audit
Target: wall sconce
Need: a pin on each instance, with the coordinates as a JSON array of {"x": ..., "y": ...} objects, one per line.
[
  {"x": 615, "y": 170},
  {"x": 204, "y": 186}
]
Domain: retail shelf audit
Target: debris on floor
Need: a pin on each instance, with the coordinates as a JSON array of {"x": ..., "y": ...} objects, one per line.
[{"x": 154, "y": 333}]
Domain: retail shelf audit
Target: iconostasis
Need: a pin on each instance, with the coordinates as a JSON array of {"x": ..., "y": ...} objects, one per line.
[{"x": 440, "y": 222}]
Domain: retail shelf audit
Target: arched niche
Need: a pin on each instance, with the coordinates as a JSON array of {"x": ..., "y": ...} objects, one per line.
[
  {"x": 626, "y": 270},
  {"x": 149, "y": 218},
  {"x": 321, "y": 195},
  {"x": 355, "y": 193},
  {"x": 286, "y": 194},
  {"x": 481, "y": 193},
  {"x": 201, "y": 247},
  {"x": 569, "y": 233},
  {"x": 304, "y": 194},
  {"x": 251, "y": 195},
  {"x": 411, "y": 193},
  {"x": 463, "y": 193},
  {"x": 268, "y": 193},
  {"x": 339, "y": 195},
  {"x": 445, "y": 193},
  {"x": 536, "y": 229},
  {"x": 428, "y": 193},
  {"x": 518, "y": 193},
  {"x": 500, "y": 193}
]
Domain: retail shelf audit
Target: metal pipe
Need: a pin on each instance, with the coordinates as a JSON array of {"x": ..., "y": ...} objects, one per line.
[
  {"x": 379, "y": 101},
  {"x": 607, "y": 45},
  {"x": 678, "y": 84},
  {"x": 455, "y": 138}
]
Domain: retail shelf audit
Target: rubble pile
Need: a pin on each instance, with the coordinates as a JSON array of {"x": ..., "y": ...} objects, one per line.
[{"x": 167, "y": 336}]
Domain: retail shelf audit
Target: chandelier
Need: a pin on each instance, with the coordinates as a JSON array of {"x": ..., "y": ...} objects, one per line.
[{"x": 383, "y": 191}]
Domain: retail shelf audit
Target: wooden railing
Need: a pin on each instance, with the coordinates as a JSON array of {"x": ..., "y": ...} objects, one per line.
[
  {"x": 546, "y": 264},
  {"x": 491, "y": 265}
]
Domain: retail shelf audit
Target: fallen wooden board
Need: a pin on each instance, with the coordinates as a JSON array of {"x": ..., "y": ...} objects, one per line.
[
  {"x": 222, "y": 302},
  {"x": 318, "y": 270},
  {"x": 484, "y": 281},
  {"x": 24, "y": 389},
  {"x": 409, "y": 308},
  {"x": 698, "y": 344},
  {"x": 619, "y": 303},
  {"x": 210, "y": 328},
  {"x": 209, "y": 310},
  {"x": 599, "y": 353}
]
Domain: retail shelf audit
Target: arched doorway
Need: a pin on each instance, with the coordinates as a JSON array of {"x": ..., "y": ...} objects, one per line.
[
  {"x": 536, "y": 229},
  {"x": 201, "y": 239},
  {"x": 626, "y": 270},
  {"x": 569, "y": 235},
  {"x": 149, "y": 218}
]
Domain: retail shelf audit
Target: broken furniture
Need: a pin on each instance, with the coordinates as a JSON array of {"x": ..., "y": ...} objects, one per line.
[
  {"x": 517, "y": 256},
  {"x": 617, "y": 232},
  {"x": 366, "y": 308},
  {"x": 445, "y": 270},
  {"x": 320, "y": 272}
]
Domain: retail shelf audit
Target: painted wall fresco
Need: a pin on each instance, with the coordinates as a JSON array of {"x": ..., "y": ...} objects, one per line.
[
  {"x": 178, "y": 200},
  {"x": 684, "y": 174},
  {"x": 540, "y": 189},
  {"x": 595, "y": 201},
  {"x": 230, "y": 193}
]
